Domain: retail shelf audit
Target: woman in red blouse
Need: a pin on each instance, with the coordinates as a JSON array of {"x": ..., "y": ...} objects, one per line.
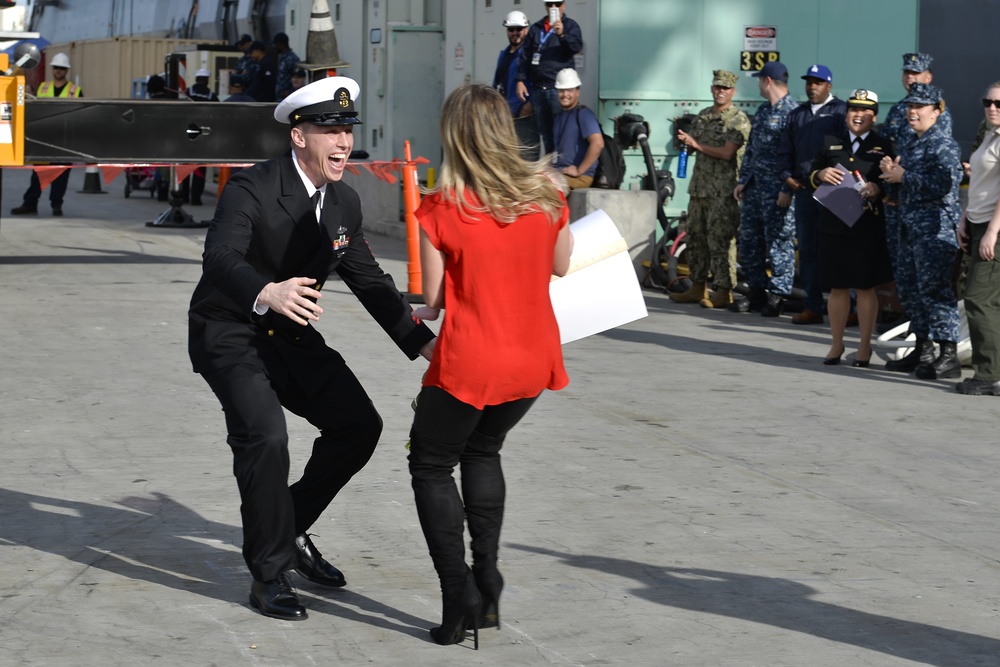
[{"x": 492, "y": 233}]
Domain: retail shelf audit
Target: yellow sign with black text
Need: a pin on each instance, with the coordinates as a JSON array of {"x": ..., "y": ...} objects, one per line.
[{"x": 754, "y": 61}]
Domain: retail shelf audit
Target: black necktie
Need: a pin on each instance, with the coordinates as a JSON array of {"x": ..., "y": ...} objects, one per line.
[
  {"x": 315, "y": 201},
  {"x": 856, "y": 145}
]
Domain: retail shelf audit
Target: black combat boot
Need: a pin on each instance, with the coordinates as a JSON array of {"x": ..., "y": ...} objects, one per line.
[
  {"x": 774, "y": 307},
  {"x": 923, "y": 351},
  {"x": 945, "y": 366},
  {"x": 752, "y": 303}
]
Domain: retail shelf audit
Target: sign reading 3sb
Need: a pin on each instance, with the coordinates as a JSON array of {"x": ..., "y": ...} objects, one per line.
[{"x": 754, "y": 61}]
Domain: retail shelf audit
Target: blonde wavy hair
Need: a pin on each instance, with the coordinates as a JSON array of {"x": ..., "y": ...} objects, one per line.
[{"x": 482, "y": 156}]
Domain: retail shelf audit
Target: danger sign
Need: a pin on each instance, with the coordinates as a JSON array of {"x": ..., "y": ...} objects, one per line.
[{"x": 760, "y": 38}]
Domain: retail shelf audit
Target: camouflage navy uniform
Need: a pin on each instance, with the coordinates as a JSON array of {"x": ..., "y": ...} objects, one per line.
[
  {"x": 766, "y": 229},
  {"x": 288, "y": 62},
  {"x": 896, "y": 128},
  {"x": 713, "y": 213},
  {"x": 929, "y": 212}
]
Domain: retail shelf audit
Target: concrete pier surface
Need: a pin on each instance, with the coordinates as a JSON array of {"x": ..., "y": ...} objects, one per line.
[{"x": 705, "y": 493}]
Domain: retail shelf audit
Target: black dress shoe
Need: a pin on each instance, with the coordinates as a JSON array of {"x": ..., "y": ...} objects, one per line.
[
  {"x": 861, "y": 363},
  {"x": 314, "y": 567},
  {"x": 276, "y": 598}
]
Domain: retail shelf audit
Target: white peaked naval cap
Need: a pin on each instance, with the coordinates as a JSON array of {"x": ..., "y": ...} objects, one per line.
[{"x": 328, "y": 101}]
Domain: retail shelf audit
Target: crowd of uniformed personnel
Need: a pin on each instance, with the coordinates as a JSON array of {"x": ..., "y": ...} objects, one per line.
[{"x": 904, "y": 229}]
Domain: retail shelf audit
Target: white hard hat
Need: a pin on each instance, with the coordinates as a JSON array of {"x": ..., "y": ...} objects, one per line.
[
  {"x": 202, "y": 72},
  {"x": 60, "y": 60},
  {"x": 567, "y": 78},
  {"x": 516, "y": 19}
]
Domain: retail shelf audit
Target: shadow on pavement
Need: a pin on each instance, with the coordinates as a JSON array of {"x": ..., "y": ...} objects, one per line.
[
  {"x": 772, "y": 356},
  {"x": 160, "y": 541},
  {"x": 786, "y": 604},
  {"x": 99, "y": 257}
]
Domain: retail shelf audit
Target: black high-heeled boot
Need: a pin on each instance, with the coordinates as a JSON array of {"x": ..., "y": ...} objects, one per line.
[
  {"x": 490, "y": 585},
  {"x": 460, "y": 613},
  {"x": 441, "y": 514},
  {"x": 483, "y": 490}
]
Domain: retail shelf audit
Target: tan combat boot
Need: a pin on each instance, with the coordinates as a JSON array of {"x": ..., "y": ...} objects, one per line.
[
  {"x": 721, "y": 298},
  {"x": 696, "y": 293}
]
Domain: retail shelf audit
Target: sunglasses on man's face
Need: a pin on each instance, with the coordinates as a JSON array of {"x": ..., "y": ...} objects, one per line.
[
  {"x": 553, "y": 4},
  {"x": 514, "y": 29},
  {"x": 988, "y": 103}
]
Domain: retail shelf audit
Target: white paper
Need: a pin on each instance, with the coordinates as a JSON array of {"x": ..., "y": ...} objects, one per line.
[{"x": 601, "y": 291}]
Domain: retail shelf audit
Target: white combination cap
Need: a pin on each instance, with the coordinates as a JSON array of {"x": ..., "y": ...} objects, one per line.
[
  {"x": 862, "y": 97},
  {"x": 328, "y": 101}
]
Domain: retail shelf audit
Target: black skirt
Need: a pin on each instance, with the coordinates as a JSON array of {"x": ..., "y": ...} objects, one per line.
[{"x": 854, "y": 258}]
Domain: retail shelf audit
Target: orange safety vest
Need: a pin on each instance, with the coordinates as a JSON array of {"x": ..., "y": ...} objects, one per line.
[{"x": 69, "y": 90}]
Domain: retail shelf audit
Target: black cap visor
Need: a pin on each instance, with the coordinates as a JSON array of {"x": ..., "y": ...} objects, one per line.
[{"x": 328, "y": 112}]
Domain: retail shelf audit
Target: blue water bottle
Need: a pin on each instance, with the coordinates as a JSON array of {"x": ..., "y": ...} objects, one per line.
[{"x": 682, "y": 163}]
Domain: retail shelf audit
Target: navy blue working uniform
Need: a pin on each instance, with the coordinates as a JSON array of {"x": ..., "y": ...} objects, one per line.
[
  {"x": 765, "y": 227},
  {"x": 898, "y": 130},
  {"x": 929, "y": 212}
]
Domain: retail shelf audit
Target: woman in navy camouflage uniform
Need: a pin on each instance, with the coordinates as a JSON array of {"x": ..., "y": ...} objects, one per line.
[{"x": 929, "y": 171}]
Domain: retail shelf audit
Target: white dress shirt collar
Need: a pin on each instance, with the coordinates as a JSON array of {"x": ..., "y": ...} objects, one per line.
[{"x": 310, "y": 188}]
